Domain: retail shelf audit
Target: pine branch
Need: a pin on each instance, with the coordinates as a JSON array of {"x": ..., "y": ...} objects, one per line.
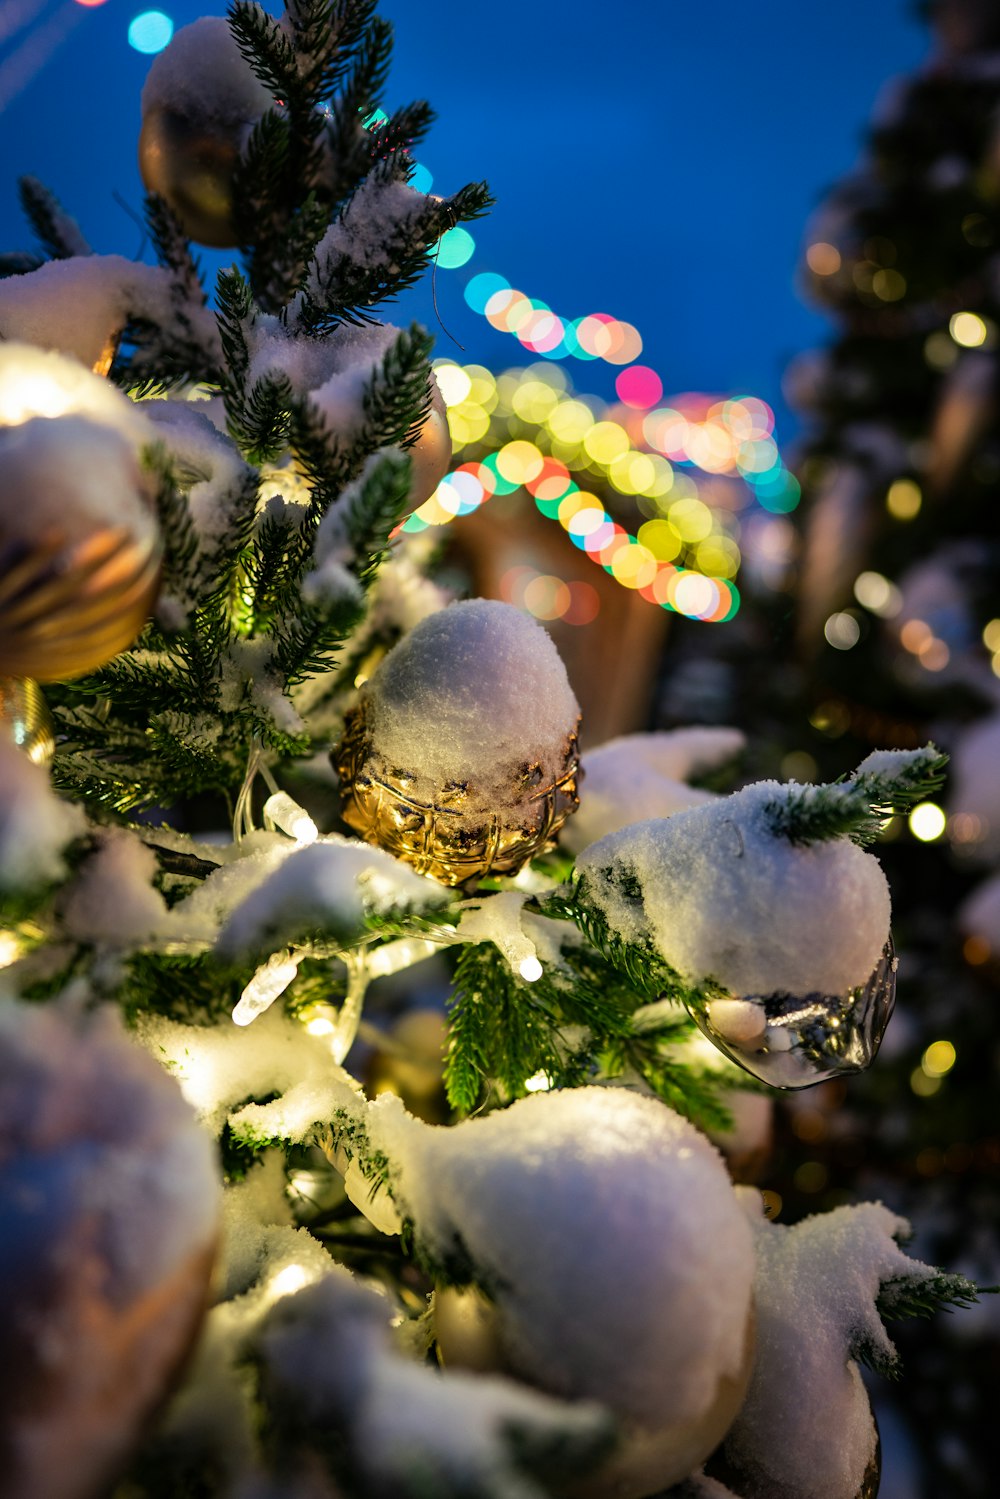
[
  {"x": 377, "y": 508},
  {"x": 922, "y": 1295},
  {"x": 172, "y": 248},
  {"x": 58, "y": 234},
  {"x": 310, "y": 641},
  {"x": 265, "y": 47},
  {"x": 498, "y": 1028},
  {"x": 887, "y": 783},
  {"x": 18, "y": 263}
]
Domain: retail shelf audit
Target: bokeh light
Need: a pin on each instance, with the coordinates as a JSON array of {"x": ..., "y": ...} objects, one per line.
[{"x": 150, "y": 31}]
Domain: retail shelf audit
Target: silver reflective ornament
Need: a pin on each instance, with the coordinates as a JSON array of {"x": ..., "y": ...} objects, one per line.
[{"x": 796, "y": 1040}]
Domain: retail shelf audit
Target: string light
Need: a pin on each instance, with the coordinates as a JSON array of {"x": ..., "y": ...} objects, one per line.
[
  {"x": 268, "y": 984},
  {"x": 281, "y": 811}
]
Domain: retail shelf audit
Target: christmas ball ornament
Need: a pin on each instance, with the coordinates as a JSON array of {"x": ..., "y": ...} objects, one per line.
[
  {"x": 110, "y": 1208},
  {"x": 461, "y": 756},
  {"x": 25, "y": 719},
  {"x": 430, "y": 454},
  {"x": 80, "y": 561},
  {"x": 199, "y": 104},
  {"x": 782, "y": 933},
  {"x": 618, "y": 1261}
]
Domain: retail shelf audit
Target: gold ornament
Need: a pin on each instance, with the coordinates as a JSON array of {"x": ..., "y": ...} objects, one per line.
[
  {"x": 452, "y": 832},
  {"x": 430, "y": 456},
  {"x": 26, "y": 719},
  {"x": 77, "y": 579},
  {"x": 191, "y": 163}
]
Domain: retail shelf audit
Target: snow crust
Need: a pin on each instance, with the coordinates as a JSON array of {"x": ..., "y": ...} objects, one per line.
[
  {"x": 639, "y": 776},
  {"x": 724, "y": 897},
  {"x": 379, "y": 216},
  {"x": 472, "y": 693},
  {"x": 207, "y": 462},
  {"x": 75, "y": 306},
  {"x": 35, "y": 823},
  {"x": 332, "y": 884},
  {"x": 335, "y": 371},
  {"x": 202, "y": 74},
  {"x": 112, "y": 900},
  {"x": 815, "y": 1292},
  {"x": 591, "y": 1198}
]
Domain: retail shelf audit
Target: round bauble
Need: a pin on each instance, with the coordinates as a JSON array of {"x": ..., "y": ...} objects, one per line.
[
  {"x": 199, "y": 104},
  {"x": 461, "y": 756},
  {"x": 468, "y": 1333},
  {"x": 79, "y": 547},
  {"x": 110, "y": 1209},
  {"x": 25, "y": 719},
  {"x": 430, "y": 455}
]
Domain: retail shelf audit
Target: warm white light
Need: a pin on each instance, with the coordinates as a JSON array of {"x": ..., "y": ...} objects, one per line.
[
  {"x": 968, "y": 329},
  {"x": 289, "y": 1280},
  {"x": 842, "y": 631},
  {"x": 540, "y": 1083},
  {"x": 10, "y": 949},
  {"x": 292, "y": 819},
  {"x": 320, "y": 1026},
  {"x": 877, "y": 594},
  {"x": 264, "y": 988},
  {"x": 530, "y": 969},
  {"x": 927, "y": 822}
]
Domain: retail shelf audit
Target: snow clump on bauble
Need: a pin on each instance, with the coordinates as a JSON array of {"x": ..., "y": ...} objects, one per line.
[
  {"x": 726, "y": 897},
  {"x": 604, "y": 1231}
]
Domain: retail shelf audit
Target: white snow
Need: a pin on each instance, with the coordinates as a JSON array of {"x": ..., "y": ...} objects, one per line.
[
  {"x": 202, "y": 74},
  {"x": 497, "y": 919},
  {"x": 378, "y": 214},
  {"x": 334, "y": 372},
  {"x": 219, "y": 1066},
  {"x": 806, "y": 1430},
  {"x": 81, "y": 477},
  {"x": 643, "y": 775},
  {"x": 111, "y": 899},
  {"x": 207, "y": 462},
  {"x": 332, "y": 884},
  {"x": 329, "y": 1350},
  {"x": 725, "y": 898},
  {"x": 35, "y": 823},
  {"x": 604, "y": 1227},
  {"x": 75, "y": 306},
  {"x": 472, "y": 694}
]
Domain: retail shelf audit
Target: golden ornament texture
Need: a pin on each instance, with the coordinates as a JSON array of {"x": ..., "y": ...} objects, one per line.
[
  {"x": 190, "y": 164},
  {"x": 26, "y": 720},
  {"x": 430, "y": 456},
  {"x": 67, "y": 606},
  {"x": 454, "y": 833}
]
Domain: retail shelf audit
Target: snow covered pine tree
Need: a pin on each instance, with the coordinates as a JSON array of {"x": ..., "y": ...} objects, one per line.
[{"x": 559, "y": 1290}]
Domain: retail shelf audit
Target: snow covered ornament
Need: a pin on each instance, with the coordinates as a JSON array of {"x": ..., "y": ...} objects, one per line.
[
  {"x": 461, "y": 755},
  {"x": 774, "y": 918},
  {"x": 199, "y": 104},
  {"x": 79, "y": 542},
  {"x": 615, "y": 1261},
  {"x": 110, "y": 1208}
]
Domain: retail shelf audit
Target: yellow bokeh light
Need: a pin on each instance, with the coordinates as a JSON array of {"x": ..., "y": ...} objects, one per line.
[
  {"x": 889, "y": 286},
  {"x": 903, "y": 499},
  {"x": 634, "y": 566},
  {"x": 719, "y": 557},
  {"x": 467, "y": 424},
  {"x": 927, "y": 822},
  {"x": 938, "y": 1059},
  {"x": 519, "y": 462},
  {"x": 991, "y": 635},
  {"x": 533, "y": 400},
  {"x": 968, "y": 329},
  {"x": 691, "y": 519},
  {"x": 876, "y": 593},
  {"x": 605, "y": 442},
  {"x": 570, "y": 421},
  {"x": 660, "y": 538}
]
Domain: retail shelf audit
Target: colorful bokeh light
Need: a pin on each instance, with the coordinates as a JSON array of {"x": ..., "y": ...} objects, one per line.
[{"x": 150, "y": 31}]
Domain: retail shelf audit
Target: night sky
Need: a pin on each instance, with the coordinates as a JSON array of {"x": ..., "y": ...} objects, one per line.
[{"x": 650, "y": 160}]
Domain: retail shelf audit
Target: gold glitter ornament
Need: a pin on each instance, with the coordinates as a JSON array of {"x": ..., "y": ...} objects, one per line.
[
  {"x": 461, "y": 757},
  {"x": 80, "y": 561},
  {"x": 25, "y": 719}
]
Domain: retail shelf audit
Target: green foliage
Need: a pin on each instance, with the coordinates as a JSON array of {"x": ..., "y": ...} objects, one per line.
[
  {"x": 58, "y": 235},
  {"x": 856, "y": 807}
]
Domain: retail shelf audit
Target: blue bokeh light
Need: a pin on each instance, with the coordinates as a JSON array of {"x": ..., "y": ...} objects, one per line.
[{"x": 150, "y": 31}]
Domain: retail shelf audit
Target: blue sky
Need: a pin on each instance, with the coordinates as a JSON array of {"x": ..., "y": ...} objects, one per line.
[{"x": 652, "y": 160}]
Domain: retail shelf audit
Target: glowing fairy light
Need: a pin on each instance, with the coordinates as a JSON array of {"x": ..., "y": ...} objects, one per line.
[
  {"x": 540, "y": 1082},
  {"x": 530, "y": 969},
  {"x": 267, "y": 985},
  {"x": 927, "y": 822},
  {"x": 281, "y": 811}
]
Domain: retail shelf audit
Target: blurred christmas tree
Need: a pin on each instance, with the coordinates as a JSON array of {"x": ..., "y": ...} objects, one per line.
[{"x": 196, "y": 509}]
